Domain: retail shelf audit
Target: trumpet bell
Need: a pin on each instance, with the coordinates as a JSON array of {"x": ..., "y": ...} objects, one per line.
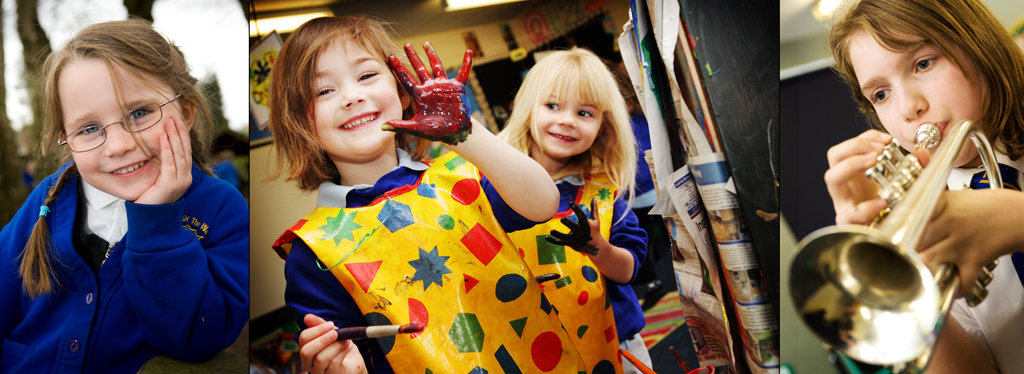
[{"x": 866, "y": 296}]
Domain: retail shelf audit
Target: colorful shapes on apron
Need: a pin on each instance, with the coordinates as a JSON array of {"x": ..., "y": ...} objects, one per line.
[
  {"x": 563, "y": 282},
  {"x": 395, "y": 215},
  {"x": 544, "y": 304},
  {"x": 604, "y": 367},
  {"x": 466, "y": 333},
  {"x": 548, "y": 253},
  {"x": 582, "y": 330},
  {"x": 446, "y": 222},
  {"x": 466, "y": 191},
  {"x": 470, "y": 282},
  {"x": 482, "y": 244},
  {"x": 546, "y": 351},
  {"x": 584, "y": 297},
  {"x": 418, "y": 314},
  {"x": 519, "y": 325},
  {"x": 508, "y": 364},
  {"x": 364, "y": 272},
  {"x": 426, "y": 190},
  {"x": 454, "y": 163},
  {"x": 589, "y": 273},
  {"x": 609, "y": 334},
  {"x": 509, "y": 287},
  {"x": 430, "y": 268},
  {"x": 478, "y": 370},
  {"x": 340, "y": 227}
]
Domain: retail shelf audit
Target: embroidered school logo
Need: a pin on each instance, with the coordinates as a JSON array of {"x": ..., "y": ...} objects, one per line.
[{"x": 193, "y": 224}]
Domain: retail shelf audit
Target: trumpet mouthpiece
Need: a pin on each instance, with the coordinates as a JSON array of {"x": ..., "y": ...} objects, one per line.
[{"x": 928, "y": 135}]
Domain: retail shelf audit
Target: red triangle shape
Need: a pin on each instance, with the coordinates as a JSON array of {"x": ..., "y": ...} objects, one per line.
[
  {"x": 364, "y": 272},
  {"x": 470, "y": 282}
]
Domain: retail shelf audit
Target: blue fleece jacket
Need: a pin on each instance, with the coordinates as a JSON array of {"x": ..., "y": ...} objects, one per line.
[{"x": 177, "y": 285}]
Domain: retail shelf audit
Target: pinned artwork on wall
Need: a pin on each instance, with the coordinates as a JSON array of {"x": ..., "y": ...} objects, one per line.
[
  {"x": 473, "y": 43},
  {"x": 261, "y": 60}
]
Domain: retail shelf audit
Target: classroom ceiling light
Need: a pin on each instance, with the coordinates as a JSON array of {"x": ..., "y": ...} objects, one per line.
[
  {"x": 287, "y": 22},
  {"x": 825, "y": 9},
  {"x": 453, "y": 5}
]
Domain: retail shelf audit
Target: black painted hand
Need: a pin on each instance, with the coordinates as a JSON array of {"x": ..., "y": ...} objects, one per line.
[{"x": 579, "y": 235}]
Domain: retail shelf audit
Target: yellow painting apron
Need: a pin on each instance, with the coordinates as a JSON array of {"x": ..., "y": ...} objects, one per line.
[
  {"x": 580, "y": 295},
  {"x": 433, "y": 253}
]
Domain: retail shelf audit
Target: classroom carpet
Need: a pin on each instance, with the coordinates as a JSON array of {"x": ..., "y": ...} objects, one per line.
[
  {"x": 666, "y": 327},
  {"x": 663, "y": 318}
]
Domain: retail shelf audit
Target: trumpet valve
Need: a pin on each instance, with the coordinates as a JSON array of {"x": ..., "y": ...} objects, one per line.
[
  {"x": 894, "y": 172},
  {"x": 978, "y": 294}
]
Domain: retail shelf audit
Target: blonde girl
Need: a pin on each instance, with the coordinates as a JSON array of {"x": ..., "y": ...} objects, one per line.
[
  {"x": 131, "y": 249},
  {"x": 570, "y": 117}
]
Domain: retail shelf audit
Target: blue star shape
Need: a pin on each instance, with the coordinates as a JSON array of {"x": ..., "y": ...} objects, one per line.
[{"x": 430, "y": 267}]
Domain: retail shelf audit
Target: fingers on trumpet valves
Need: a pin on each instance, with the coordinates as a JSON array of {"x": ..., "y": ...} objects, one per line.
[
  {"x": 979, "y": 292},
  {"x": 985, "y": 274}
]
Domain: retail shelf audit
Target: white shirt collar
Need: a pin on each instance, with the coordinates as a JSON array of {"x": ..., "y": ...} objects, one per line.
[
  {"x": 959, "y": 177},
  {"x": 95, "y": 198},
  {"x": 332, "y": 195},
  {"x": 574, "y": 180},
  {"x": 105, "y": 214}
]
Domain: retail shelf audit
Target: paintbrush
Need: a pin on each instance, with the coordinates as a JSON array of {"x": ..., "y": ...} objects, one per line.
[
  {"x": 547, "y": 277},
  {"x": 636, "y": 362},
  {"x": 679, "y": 359},
  {"x": 366, "y": 332}
]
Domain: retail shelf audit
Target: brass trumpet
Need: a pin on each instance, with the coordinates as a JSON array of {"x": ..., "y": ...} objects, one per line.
[{"x": 863, "y": 290}]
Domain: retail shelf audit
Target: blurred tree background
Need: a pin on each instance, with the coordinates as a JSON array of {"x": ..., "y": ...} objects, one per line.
[{"x": 22, "y": 163}]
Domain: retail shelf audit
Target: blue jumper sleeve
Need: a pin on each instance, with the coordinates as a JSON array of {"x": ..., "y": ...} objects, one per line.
[
  {"x": 508, "y": 218},
  {"x": 12, "y": 241},
  {"x": 628, "y": 234},
  {"x": 311, "y": 290},
  {"x": 186, "y": 269}
]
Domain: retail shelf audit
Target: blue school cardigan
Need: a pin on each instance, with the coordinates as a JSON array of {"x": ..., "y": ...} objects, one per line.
[{"x": 177, "y": 284}]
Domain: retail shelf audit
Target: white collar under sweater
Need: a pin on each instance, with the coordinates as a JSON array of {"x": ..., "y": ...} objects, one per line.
[
  {"x": 331, "y": 195},
  {"x": 105, "y": 214}
]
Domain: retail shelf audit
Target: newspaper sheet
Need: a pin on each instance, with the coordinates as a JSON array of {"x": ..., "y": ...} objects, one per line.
[
  {"x": 745, "y": 281},
  {"x": 696, "y": 271}
]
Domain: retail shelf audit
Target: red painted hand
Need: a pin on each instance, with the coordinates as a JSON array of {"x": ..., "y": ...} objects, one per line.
[{"x": 442, "y": 109}]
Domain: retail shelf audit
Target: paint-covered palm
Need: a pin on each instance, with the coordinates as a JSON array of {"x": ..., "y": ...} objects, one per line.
[{"x": 442, "y": 108}]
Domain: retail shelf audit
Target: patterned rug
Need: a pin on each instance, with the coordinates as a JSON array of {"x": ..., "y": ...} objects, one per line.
[{"x": 663, "y": 318}]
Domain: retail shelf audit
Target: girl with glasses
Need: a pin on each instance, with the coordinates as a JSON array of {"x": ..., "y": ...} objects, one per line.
[{"x": 131, "y": 249}]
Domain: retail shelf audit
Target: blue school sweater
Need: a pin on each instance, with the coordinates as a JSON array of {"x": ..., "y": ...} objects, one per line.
[{"x": 177, "y": 284}]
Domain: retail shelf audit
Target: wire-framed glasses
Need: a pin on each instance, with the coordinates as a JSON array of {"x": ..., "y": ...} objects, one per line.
[{"x": 92, "y": 135}]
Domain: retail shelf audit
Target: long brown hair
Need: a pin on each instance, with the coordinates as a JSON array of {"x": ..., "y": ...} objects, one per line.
[
  {"x": 292, "y": 101},
  {"x": 906, "y": 25},
  {"x": 135, "y": 48}
]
